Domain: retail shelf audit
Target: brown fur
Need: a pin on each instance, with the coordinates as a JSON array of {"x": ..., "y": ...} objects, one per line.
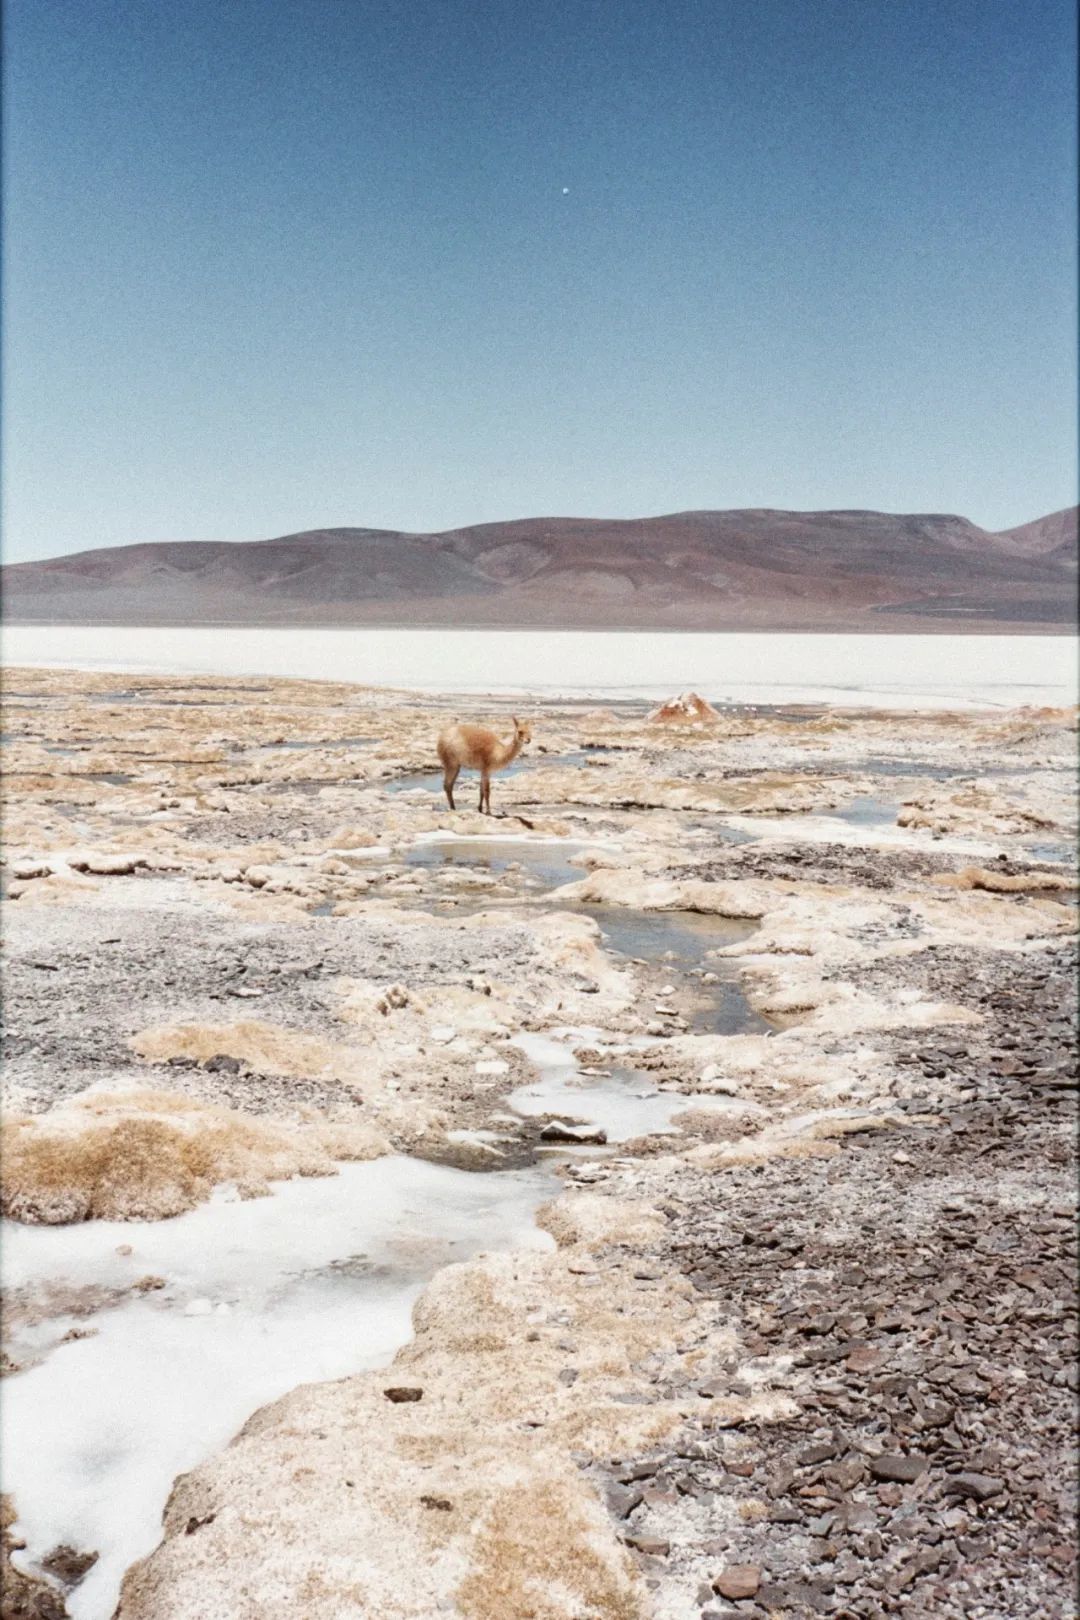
[{"x": 479, "y": 750}]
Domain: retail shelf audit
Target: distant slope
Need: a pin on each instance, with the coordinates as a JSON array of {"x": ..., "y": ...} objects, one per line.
[
  {"x": 1053, "y": 536},
  {"x": 755, "y": 569}
]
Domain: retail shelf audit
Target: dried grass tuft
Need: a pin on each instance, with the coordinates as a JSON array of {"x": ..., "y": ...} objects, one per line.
[
  {"x": 979, "y": 877},
  {"x": 265, "y": 1048},
  {"x": 151, "y": 1155},
  {"x": 573, "y": 1568}
]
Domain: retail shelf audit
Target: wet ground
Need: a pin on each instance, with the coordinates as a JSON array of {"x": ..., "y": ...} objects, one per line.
[{"x": 689, "y": 971}]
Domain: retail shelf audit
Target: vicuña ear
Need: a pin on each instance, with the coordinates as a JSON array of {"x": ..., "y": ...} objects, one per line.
[{"x": 517, "y": 722}]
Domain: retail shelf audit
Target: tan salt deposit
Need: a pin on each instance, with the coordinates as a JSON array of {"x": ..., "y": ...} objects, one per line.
[
  {"x": 467, "y": 1495},
  {"x": 149, "y": 1155}
]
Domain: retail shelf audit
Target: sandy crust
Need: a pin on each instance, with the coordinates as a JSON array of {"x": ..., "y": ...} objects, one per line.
[{"x": 243, "y": 944}]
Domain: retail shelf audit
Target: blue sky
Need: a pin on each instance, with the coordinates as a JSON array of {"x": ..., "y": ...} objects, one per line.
[{"x": 279, "y": 264}]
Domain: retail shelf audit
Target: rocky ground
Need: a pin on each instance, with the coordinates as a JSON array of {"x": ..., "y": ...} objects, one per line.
[{"x": 807, "y": 1348}]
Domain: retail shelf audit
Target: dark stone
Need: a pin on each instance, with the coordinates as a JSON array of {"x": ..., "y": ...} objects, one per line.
[
  {"x": 557, "y": 1131},
  {"x": 67, "y": 1565},
  {"x": 622, "y": 1500},
  {"x": 401, "y": 1393},
  {"x": 820, "y": 1451},
  {"x": 785, "y": 1515},
  {"x": 980, "y": 1487},
  {"x": 893, "y": 1466}
]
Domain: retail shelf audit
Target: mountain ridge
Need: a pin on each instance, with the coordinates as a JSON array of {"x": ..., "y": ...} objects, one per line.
[{"x": 754, "y": 568}]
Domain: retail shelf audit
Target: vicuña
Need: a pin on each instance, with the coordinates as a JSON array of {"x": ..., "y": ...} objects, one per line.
[{"x": 480, "y": 750}]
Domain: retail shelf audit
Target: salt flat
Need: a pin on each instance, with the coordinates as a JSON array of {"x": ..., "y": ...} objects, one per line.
[{"x": 886, "y": 671}]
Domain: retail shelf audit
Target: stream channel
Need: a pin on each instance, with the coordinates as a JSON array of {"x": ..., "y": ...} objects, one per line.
[{"x": 146, "y": 1345}]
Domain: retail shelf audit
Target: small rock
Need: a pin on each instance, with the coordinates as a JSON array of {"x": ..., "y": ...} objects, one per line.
[
  {"x": 27, "y": 870},
  {"x": 858, "y": 1516},
  {"x": 399, "y": 1393},
  {"x": 847, "y": 1473},
  {"x": 103, "y": 865},
  {"x": 820, "y": 1451},
  {"x": 981, "y": 1487},
  {"x": 785, "y": 1515},
  {"x": 892, "y": 1465},
  {"x": 738, "y": 1581},
  {"x": 655, "y": 1545},
  {"x": 558, "y": 1131},
  {"x": 639, "y": 1470},
  {"x": 222, "y": 1065},
  {"x": 622, "y": 1500},
  {"x": 67, "y": 1565}
]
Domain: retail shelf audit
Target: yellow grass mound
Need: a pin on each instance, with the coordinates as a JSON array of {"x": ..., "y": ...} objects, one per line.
[
  {"x": 265, "y": 1048},
  {"x": 148, "y": 1155},
  {"x": 978, "y": 877}
]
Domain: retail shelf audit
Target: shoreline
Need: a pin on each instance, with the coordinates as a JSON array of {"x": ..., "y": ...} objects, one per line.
[{"x": 918, "y": 625}]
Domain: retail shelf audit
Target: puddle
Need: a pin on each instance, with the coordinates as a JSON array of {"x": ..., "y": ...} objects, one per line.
[
  {"x": 967, "y": 770},
  {"x": 323, "y": 742},
  {"x": 547, "y": 863},
  {"x": 867, "y": 810},
  {"x": 723, "y": 1009},
  {"x": 149, "y": 696},
  {"x": 624, "y": 1104},
  {"x": 314, "y": 1282},
  {"x": 898, "y": 767},
  {"x": 1062, "y": 851},
  {"x": 307, "y": 784}
]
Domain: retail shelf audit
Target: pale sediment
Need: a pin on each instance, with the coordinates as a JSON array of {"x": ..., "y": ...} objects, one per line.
[{"x": 231, "y": 961}]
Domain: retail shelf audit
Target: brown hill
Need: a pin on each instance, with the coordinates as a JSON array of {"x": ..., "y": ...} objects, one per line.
[
  {"x": 756, "y": 569},
  {"x": 1053, "y": 536}
]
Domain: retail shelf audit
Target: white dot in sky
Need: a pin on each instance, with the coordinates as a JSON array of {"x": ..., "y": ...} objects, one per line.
[{"x": 566, "y": 191}]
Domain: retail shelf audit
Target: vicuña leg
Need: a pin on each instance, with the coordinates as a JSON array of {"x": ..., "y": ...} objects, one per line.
[
  {"x": 450, "y": 776},
  {"x": 485, "y": 794}
]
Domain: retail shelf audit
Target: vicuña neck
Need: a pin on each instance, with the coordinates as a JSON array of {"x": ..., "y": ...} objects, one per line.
[{"x": 509, "y": 751}]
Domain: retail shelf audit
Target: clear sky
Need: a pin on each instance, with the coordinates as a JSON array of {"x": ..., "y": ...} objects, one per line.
[{"x": 281, "y": 264}]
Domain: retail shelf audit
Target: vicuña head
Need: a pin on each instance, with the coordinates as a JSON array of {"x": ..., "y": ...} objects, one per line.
[{"x": 479, "y": 750}]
